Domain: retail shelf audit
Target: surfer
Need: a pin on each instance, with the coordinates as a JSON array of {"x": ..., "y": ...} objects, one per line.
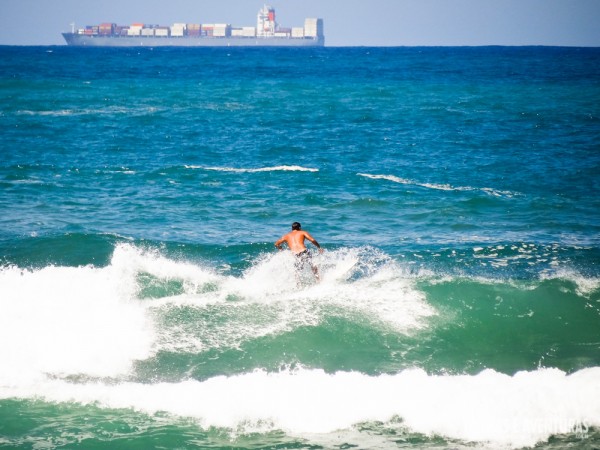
[{"x": 295, "y": 241}]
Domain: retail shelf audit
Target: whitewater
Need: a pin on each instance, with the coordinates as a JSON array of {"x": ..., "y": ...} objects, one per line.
[{"x": 80, "y": 332}]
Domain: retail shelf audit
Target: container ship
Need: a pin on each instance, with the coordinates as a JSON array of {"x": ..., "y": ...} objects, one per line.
[{"x": 267, "y": 32}]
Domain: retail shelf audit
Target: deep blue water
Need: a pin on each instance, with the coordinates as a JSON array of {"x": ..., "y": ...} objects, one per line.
[{"x": 455, "y": 192}]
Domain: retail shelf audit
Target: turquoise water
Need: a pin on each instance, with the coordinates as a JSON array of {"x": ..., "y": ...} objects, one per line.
[{"x": 455, "y": 192}]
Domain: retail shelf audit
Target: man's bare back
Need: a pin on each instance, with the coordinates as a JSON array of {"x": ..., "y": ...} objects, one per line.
[{"x": 295, "y": 240}]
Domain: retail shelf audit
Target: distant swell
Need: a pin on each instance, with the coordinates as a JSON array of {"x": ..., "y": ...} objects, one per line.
[
  {"x": 109, "y": 110},
  {"x": 441, "y": 187},
  {"x": 259, "y": 169}
]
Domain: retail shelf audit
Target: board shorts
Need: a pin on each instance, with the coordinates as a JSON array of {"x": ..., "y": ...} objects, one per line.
[{"x": 302, "y": 258}]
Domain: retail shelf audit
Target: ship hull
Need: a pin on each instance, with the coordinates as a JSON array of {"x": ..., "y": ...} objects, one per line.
[{"x": 154, "y": 41}]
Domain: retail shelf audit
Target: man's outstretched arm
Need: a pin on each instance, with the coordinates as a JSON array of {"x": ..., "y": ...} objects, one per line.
[
  {"x": 313, "y": 241},
  {"x": 279, "y": 242}
]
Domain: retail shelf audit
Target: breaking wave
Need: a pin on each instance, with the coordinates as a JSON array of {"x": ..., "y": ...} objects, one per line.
[{"x": 78, "y": 334}]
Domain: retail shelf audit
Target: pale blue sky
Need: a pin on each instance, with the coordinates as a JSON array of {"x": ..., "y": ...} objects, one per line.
[{"x": 347, "y": 22}]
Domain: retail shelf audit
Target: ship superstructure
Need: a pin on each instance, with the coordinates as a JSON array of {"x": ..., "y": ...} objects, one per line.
[
  {"x": 265, "y": 22},
  {"x": 267, "y": 32}
]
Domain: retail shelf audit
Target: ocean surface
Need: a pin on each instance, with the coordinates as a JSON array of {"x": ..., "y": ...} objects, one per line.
[{"x": 456, "y": 192}]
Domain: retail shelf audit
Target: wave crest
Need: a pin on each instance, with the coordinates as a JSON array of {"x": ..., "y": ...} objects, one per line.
[
  {"x": 441, "y": 187},
  {"x": 283, "y": 168}
]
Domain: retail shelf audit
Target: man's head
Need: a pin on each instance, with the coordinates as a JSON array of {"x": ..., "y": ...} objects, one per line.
[{"x": 296, "y": 226}]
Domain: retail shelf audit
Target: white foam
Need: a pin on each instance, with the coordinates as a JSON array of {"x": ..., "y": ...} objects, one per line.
[
  {"x": 63, "y": 320},
  {"x": 358, "y": 282},
  {"x": 585, "y": 285},
  {"x": 58, "y": 113},
  {"x": 98, "y": 321},
  {"x": 266, "y": 300},
  {"x": 373, "y": 288},
  {"x": 85, "y": 320},
  {"x": 131, "y": 261},
  {"x": 259, "y": 169},
  {"x": 440, "y": 187},
  {"x": 492, "y": 408},
  {"x": 111, "y": 110}
]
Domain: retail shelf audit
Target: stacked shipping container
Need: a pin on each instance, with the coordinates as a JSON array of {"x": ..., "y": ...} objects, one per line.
[
  {"x": 266, "y": 27},
  {"x": 313, "y": 27},
  {"x": 194, "y": 29}
]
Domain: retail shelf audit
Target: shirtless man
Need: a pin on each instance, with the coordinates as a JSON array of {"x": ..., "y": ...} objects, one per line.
[{"x": 295, "y": 241}]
